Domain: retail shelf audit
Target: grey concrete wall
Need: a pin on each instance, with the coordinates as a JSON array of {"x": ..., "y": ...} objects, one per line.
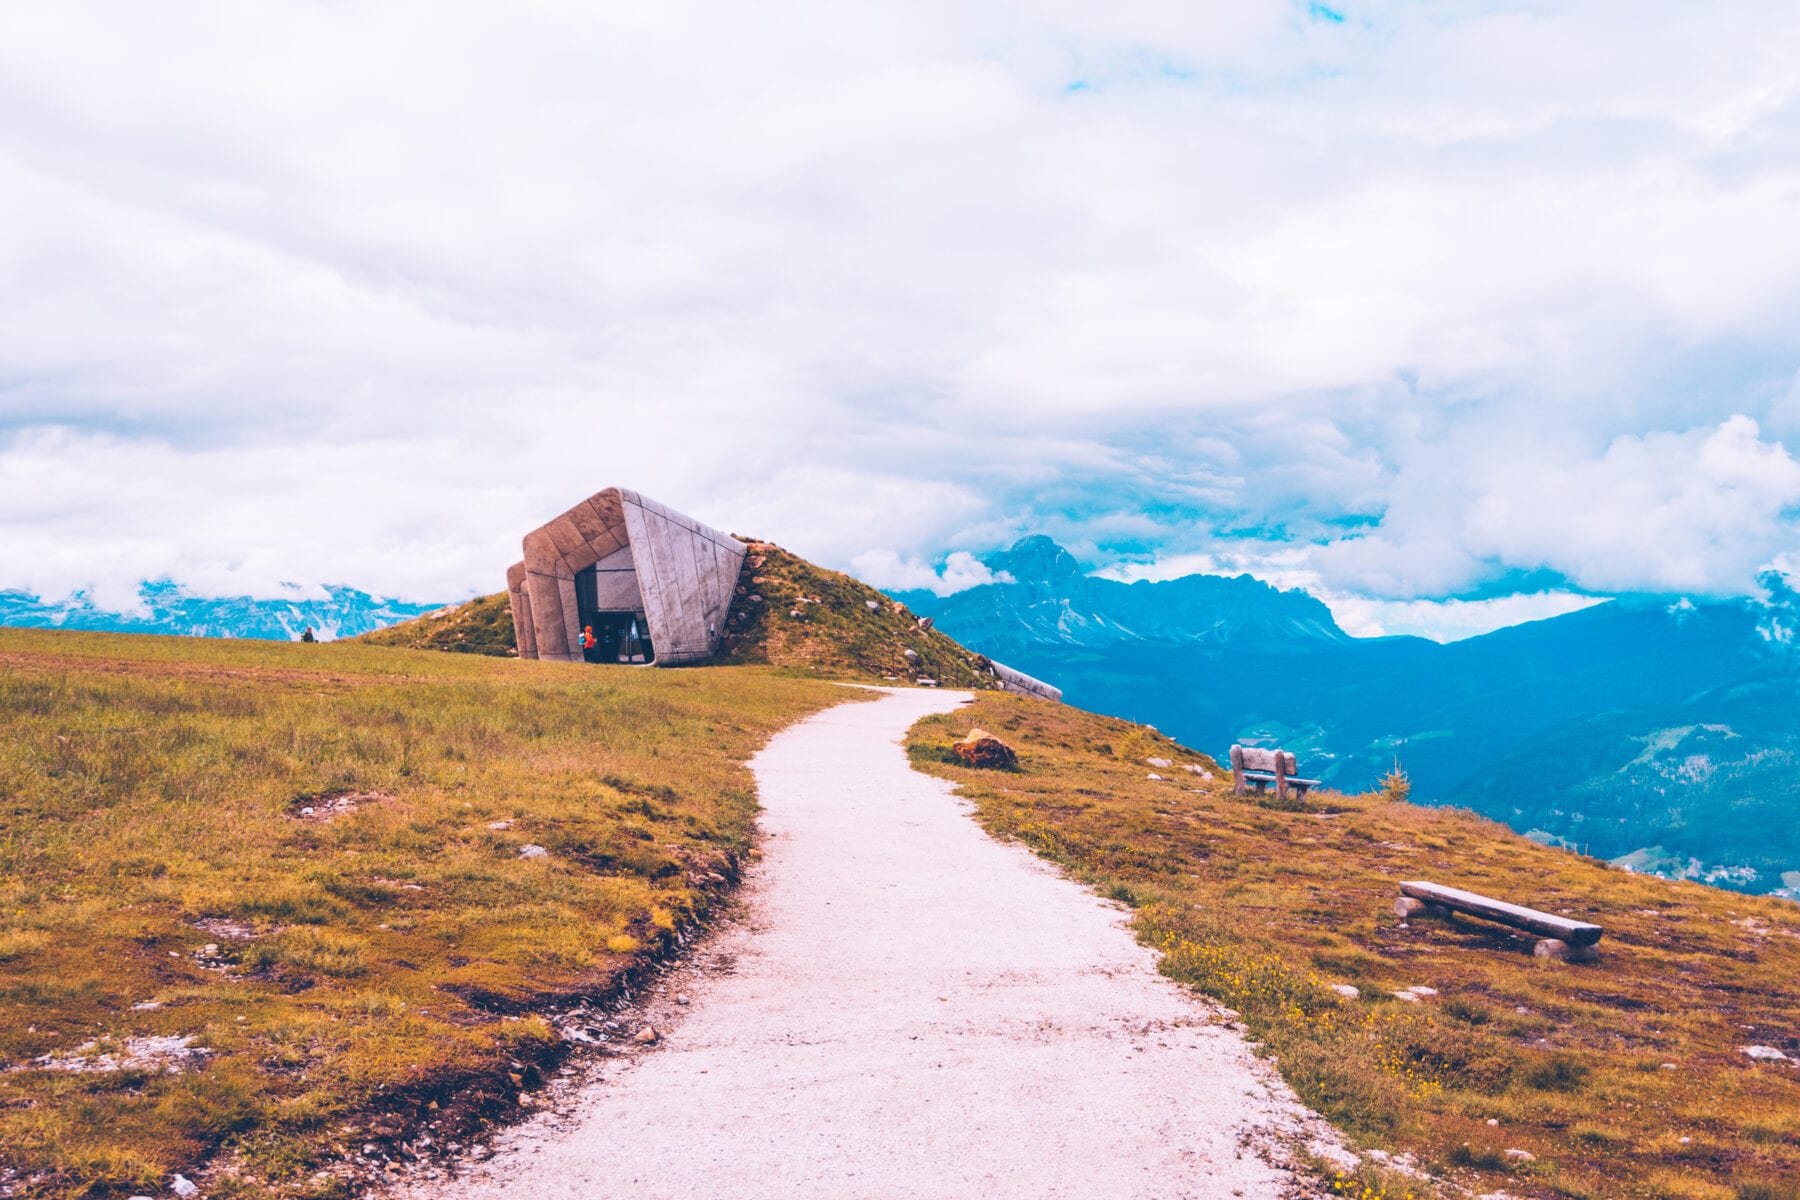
[
  {"x": 683, "y": 573},
  {"x": 1018, "y": 681},
  {"x": 524, "y": 635}
]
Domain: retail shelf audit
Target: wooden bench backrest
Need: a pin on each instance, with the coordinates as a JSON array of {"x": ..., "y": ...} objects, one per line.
[{"x": 1252, "y": 758}]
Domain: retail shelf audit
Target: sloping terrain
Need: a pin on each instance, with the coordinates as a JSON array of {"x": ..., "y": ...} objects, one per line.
[
  {"x": 480, "y": 626},
  {"x": 791, "y": 613},
  {"x": 1537, "y": 725},
  {"x": 1619, "y": 1079},
  {"x": 315, "y": 908}
]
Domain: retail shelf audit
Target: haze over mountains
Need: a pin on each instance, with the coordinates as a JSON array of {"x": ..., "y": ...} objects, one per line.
[
  {"x": 1656, "y": 731},
  {"x": 166, "y": 607}
]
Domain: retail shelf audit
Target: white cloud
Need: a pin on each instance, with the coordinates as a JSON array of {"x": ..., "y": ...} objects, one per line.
[
  {"x": 1450, "y": 620},
  {"x": 322, "y": 293},
  {"x": 1702, "y": 511},
  {"x": 890, "y": 572}
]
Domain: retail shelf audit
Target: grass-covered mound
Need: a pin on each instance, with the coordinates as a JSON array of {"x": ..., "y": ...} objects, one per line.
[
  {"x": 790, "y": 613},
  {"x": 785, "y": 612},
  {"x": 480, "y": 626},
  {"x": 1619, "y": 1079},
  {"x": 379, "y": 963}
]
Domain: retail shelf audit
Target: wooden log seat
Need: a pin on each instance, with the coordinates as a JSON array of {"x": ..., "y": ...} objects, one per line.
[
  {"x": 1571, "y": 941},
  {"x": 1251, "y": 767}
]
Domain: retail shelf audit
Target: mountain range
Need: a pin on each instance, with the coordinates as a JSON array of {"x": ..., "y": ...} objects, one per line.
[
  {"x": 1654, "y": 731},
  {"x": 166, "y": 607}
]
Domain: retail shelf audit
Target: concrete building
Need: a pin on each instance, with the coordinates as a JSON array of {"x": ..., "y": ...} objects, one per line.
[
  {"x": 1011, "y": 680},
  {"x": 653, "y": 585}
]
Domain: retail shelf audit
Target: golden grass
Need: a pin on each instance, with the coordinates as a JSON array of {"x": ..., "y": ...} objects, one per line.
[
  {"x": 374, "y": 967},
  {"x": 1265, "y": 909}
]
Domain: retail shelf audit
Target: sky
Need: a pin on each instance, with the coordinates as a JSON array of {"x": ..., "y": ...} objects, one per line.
[{"x": 1455, "y": 314}]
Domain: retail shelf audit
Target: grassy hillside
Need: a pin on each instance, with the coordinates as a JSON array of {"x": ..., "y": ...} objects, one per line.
[
  {"x": 192, "y": 963},
  {"x": 786, "y": 613},
  {"x": 790, "y": 613},
  {"x": 1623, "y": 1078},
  {"x": 480, "y": 626}
]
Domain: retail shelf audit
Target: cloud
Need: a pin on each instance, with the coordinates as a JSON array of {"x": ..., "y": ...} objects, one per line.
[
  {"x": 1702, "y": 511},
  {"x": 1404, "y": 304},
  {"x": 1450, "y": 620},
  {"x": 960, "y": 571}
]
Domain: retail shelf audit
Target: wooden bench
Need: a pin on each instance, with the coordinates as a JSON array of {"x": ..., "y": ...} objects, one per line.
[
  {"x": 1572, "y": 941},
  {"x": 1260, "y": 768}
]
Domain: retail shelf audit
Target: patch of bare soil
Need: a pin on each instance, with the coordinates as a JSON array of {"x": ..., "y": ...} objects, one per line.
[{"x": 328, "y": 806}]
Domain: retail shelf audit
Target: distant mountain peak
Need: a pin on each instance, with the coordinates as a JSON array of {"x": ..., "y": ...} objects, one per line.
[{"x": 1036, "y": 559}]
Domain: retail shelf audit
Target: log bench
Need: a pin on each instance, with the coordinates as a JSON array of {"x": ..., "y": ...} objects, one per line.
[
  {"x": 1571, "y": 941},
  {"x": 1251, "y": 767}
]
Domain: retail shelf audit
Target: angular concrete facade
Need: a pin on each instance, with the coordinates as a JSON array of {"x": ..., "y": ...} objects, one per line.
[
  {"x": 1011, "y": 680},
  {"x": 619, "y": 555}
]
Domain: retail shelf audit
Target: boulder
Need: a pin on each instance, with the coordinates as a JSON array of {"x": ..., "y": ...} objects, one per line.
[
  {"x": 982, "y": 749},
  {"x": 924, "y": 622}
]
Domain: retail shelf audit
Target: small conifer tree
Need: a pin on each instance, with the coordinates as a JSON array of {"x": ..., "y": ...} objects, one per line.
[{"x": 1396, "y": 785}]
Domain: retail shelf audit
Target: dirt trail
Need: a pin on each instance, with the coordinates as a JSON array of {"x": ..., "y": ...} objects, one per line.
[{"x": 911, "y": 1009}]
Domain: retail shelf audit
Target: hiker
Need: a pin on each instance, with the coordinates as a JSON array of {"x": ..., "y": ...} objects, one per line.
[
  {"x": 588, "y": 644},
  {"x": 308, "y": 635}
]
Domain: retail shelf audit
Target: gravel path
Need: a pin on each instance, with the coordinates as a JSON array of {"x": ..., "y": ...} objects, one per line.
[{"x": 910, "y": 1009}]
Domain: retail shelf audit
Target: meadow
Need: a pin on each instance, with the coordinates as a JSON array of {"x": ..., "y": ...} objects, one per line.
[
  {"x": 301, "y": 911},
  {"x": 1620, "y": 1079}
]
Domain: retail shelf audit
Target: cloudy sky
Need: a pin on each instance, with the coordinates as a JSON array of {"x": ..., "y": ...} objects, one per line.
[{"x": 1453, "y": 313}]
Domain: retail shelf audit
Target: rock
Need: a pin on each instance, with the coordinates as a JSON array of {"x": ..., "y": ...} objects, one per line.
[
  {"x": 755, "y": 599},
  {"x": 1767, "y": 1053},
  {"x": 1347, "y": 991},
  {"x": 307, "y": 811},
  {"x": 210, "y": 949},
  {"x": 872, "y": 605},
  {"x": 794, "y": 612},
  {"x": 499, "y": 824},
  {"x": 1521, "y": 1155},
  {"x": 681, "y": 999},
  {"x": 924, "y": 622},
  {"x": 1422, "y": 990},
  {"x": 922, "y": 681},
  {"x": 1153, "y": 775},
  {"x": 1158, "y": 762},
  {"x": 910, "y": 654},
  {"x": 1684, "y": 1141},
  {"x": 533, "y": 851},
  {"x": 181, "y": 1185},
  {"x": 982, "y": 749},
  {"x": 1668, "y": 1067},
  {"x": 647, "y": 1036},
  {"x": 1494, "y": 1122}
]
